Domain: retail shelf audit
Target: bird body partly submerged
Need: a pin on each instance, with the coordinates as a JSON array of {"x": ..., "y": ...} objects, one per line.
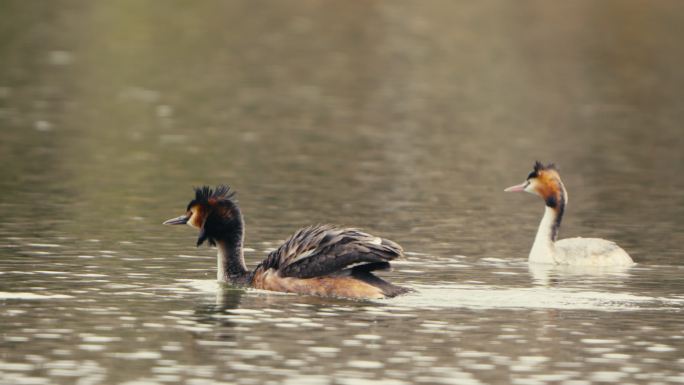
[
  {"x": 326, "y": 260},
  {"x": 329, "y": 286},
  {"x": 545, "y": 182},
  {"x": 580, "y": 251},
  {"x": 321, "y": 260}
]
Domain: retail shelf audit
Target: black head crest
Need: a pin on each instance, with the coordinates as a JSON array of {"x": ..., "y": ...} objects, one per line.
[
  {"x": 223, "y": 220},
  {"x": 539, "y": 166},
  {"x": 205, "y": 195}
]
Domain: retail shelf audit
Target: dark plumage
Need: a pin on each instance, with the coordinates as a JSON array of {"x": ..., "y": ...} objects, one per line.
[
  {"x": 322, "y": 260},
  {"x": 538, "y": 167},
  {"x": 204, "y": 194},
  {"x": 324, "y": 249}
]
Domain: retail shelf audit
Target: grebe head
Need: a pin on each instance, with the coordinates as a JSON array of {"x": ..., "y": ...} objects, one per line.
[
  {"x": 545, "y": 182},
  {"x": 214, "y": 212}
]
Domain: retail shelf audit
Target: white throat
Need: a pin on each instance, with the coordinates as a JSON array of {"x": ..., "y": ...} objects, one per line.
[{"x": 543, "y": 249}]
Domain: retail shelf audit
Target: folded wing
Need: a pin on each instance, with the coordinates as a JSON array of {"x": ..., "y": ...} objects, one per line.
[{"x": 322, "y": 250}]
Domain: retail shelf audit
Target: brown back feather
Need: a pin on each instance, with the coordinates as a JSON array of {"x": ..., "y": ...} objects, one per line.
[{"x": 321, "y": 250}]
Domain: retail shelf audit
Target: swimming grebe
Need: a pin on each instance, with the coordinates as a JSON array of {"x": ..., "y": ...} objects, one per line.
[
  {"x": 545, "y": 182},
  {"x": 321, "y": 260}
]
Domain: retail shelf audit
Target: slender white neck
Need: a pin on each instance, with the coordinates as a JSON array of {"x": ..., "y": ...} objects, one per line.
[{"x": 543, "y": 249}]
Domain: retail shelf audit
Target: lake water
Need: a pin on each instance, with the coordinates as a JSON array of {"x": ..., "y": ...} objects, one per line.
[{"x": 406, "y": 119}]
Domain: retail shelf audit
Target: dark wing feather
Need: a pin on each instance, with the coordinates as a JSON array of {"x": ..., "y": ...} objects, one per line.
[{"x": 324, "y": 249}]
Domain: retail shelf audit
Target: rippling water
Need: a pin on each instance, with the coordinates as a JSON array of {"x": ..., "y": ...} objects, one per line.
[{"x": 405, "y": 119}]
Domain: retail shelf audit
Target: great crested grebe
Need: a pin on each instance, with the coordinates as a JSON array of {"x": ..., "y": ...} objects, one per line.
[
  {"x": 545, "y": 182},
  {"x": 321, "y": 260}
]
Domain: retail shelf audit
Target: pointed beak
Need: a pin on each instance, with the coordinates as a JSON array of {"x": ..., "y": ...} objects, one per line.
[
  {"x": 183, "y": 219},
  {"x": 517, "y": 187}
]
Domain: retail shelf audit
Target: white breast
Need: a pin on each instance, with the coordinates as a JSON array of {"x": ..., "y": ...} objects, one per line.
[{"x": 590, "y": 252}]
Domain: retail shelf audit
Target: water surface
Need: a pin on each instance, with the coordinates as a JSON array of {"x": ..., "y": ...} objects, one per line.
[{"x": 404, "y": 119}]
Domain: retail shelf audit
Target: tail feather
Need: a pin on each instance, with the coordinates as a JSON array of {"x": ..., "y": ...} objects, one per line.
[
  {"x": 373, "y": 266},
  {"x": 363, "y": 273}
]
